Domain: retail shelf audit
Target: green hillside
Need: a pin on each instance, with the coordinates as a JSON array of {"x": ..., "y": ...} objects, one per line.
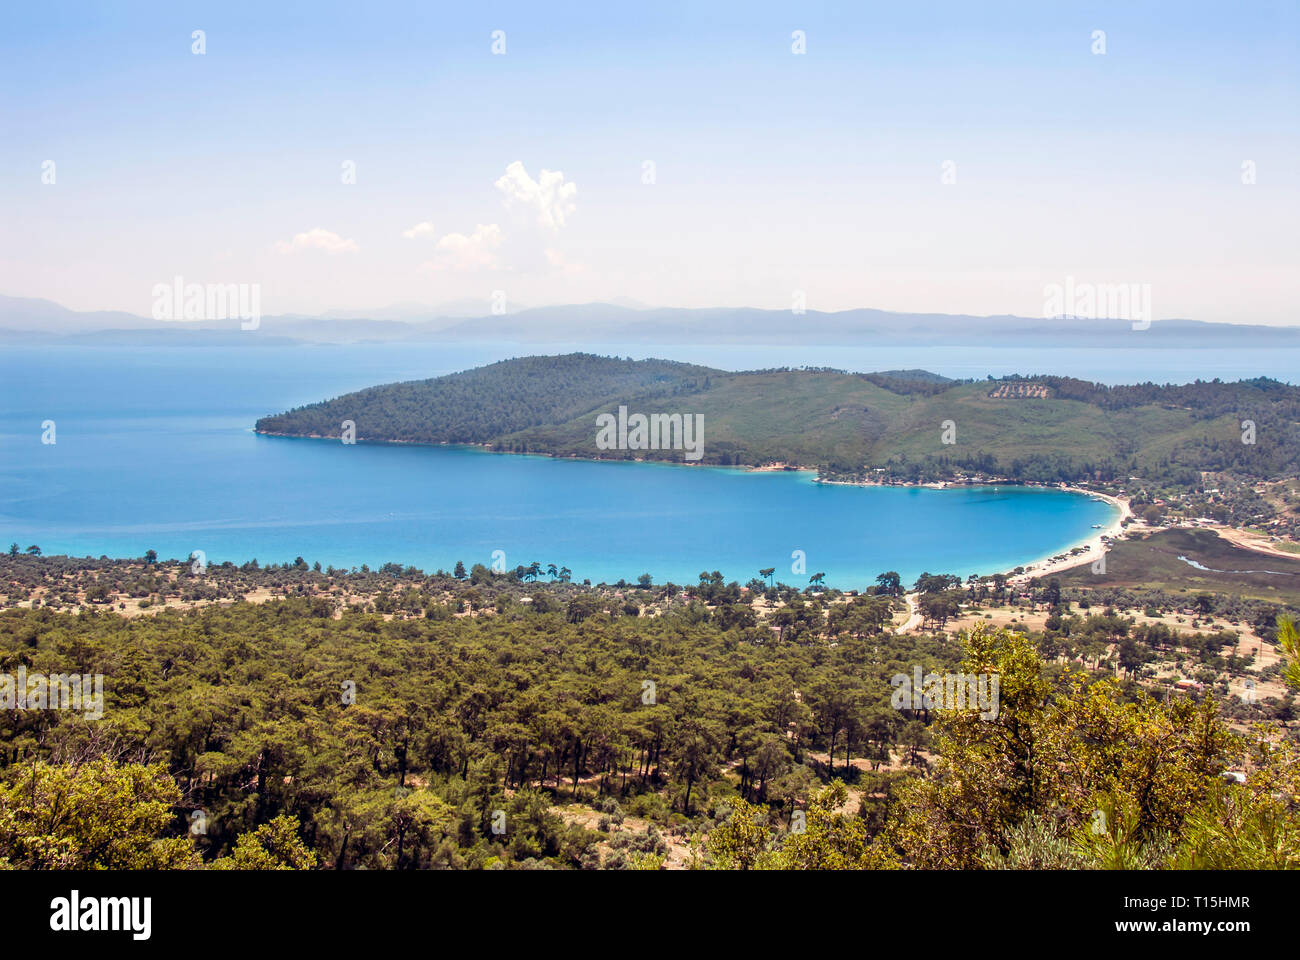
[
  {"x": 483, "y": 404},
  {"x": 899, "y": 425}
]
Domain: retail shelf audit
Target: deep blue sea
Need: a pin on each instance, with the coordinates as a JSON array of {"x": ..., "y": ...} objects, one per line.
[{"x": 155, "y": 449}]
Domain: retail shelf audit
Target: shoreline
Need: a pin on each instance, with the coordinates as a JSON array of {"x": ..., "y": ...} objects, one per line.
[{"x": 1094, "y": 544}]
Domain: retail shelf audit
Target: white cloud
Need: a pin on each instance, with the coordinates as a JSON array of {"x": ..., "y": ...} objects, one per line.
[
  {"x": 424, "y": 229},
  {"x": 318, "y": 239},
  {"x": 458, "y": 252},
  {"x": 549, "y": 196}
]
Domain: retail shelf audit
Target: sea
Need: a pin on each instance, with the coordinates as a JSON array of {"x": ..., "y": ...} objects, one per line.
[{"x": 153, "y": 448}]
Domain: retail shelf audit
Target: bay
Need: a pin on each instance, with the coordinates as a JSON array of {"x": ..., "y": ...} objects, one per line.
[{"x": 155, "y": 450}]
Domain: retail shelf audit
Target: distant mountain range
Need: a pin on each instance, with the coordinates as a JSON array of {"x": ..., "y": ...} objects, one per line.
[{"x": 28, "y": 320}]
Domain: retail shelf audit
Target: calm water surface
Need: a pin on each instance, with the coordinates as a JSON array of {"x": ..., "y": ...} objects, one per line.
[{"x": 155, "y": 449}]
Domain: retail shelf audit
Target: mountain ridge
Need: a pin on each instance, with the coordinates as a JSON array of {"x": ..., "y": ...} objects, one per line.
[{"x": 37, "y": 320}]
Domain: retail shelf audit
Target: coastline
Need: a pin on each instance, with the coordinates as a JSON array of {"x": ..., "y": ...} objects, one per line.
[{"x": 1094, "y": 545}]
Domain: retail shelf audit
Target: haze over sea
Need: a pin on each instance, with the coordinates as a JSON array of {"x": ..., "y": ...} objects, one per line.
[{"x": 155, "y": 449}]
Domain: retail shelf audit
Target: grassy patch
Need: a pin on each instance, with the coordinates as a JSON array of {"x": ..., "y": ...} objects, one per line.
[{"x": 1156, "y": 561}]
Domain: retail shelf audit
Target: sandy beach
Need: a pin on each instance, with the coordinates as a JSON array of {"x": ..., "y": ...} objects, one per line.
[{"x": 1094, "y": 544}]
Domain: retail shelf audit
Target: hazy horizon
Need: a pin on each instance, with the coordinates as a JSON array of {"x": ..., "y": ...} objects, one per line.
[
  {"x": 941, "y": 159},
  {"x": 461, "y": 309}
]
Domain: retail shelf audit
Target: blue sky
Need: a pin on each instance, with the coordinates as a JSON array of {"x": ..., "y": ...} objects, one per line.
[{"x": 773, "y": 172}]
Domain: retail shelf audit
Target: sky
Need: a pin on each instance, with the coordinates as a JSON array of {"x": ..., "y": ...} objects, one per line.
[{"x": 923, "y": 157}]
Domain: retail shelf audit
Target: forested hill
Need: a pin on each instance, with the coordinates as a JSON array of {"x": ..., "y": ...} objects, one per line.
[
  {"x": 906, "y": 424},
  {"x": 487, "y": 403}
]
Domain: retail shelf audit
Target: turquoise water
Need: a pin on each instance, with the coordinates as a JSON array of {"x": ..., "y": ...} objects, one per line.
[{"x": 155, "y": 449}]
